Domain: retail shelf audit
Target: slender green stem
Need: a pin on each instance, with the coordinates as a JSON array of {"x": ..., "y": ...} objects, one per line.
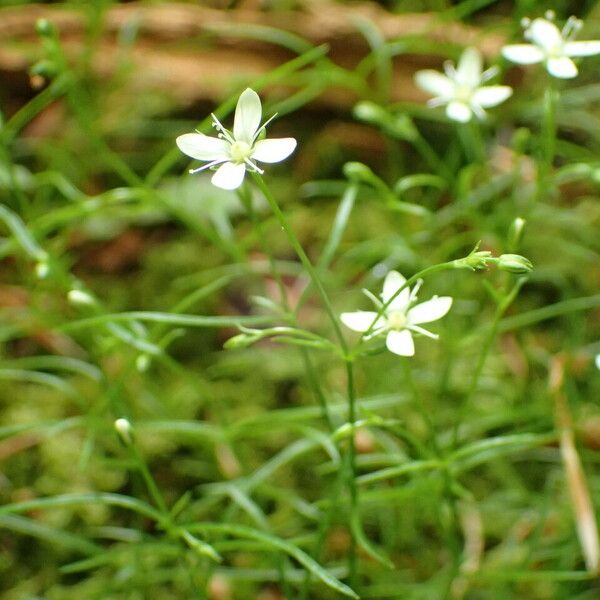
[
  {"x": 431, "y": 157},
  {"x": 548, "y": 146},
  {"x": 472, "y": 140},
  {"x": 351, "y": 474},
  {"x": 306, "y": 263},
  {"x": 351, "y": 456},
  {"x": 153, "y": 489},
  {"x": 313, "y": 380},
  {"x": 501, "y": 308},
  {"x": 246, "y": 198}
]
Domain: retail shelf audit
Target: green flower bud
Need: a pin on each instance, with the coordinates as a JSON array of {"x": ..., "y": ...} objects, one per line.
[
  {"x": 514, "y": 263},
  {"x": 142, "y": 362},
  {"x": 398, "y": 126},
  {"x": 44, "y": 27},
  {"x": 369, "y": 112},
  {"x": 476, "y": 261},
  {"x": 125, "y": 430},
  {"x": 80, "y": 298},
  {"x": 356, "y": 171},
  {"x": 44, "y": 68},
  {"x": 42, "y": 269},
  {"x": 515, "y": 233},
  {"x": 242, "y": 340}
]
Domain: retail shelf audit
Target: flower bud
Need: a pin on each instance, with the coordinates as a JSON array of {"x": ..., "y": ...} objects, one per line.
[
  {"x": 476, "y": 261},
  {"x": 242, "y": 340},
  {"x": 80, "y": 298},
  {"x": 142, "y": 362},
  {"x": 356, "y": 171},
  {"x": 399, "y": 126},
  {"x": 42, "y": 268},
  {"x": 515, "y": 233},
  {"x": 44, "y": 68},
  {"x": 514, "y": 263},
  {"x": 125, "y": 431},
  {"x": 44, "y": 27},
  {"x": 369, "y": 112}
]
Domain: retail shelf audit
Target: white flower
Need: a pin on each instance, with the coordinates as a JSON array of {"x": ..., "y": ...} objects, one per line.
[
  {"x": 236, "y": 152},
  {"x": 461, "y": 89},
  {"x": 400, "y": 317},
  {"x": 551, "y": 46}
]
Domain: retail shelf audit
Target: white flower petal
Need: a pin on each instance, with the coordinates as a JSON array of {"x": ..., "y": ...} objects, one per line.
[
  {"x": 203, "y": 147},
  {"x": 562, "y": 67},
  {"x": 459, "y": 111},
  {"x": 491, "y": 95},
  {"x": 544, "y": 34},
  {"x": 435, "y": 83},
  {"x": 428, "y": 311},
  {"x": 273, "y": 150},
  {"x": 400, "y": 342},
  {"x": 361, "y": 320},
  {"x": 581, "y": 48},
  {"x": 468, "y": 71},
  {"x": 523, "y": 54},
  {"x": 392, "y": 283},
  {"x": 229, "y": 176},
  {"x": 248, "y": 113}
]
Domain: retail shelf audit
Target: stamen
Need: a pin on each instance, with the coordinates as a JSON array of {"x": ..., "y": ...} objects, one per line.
[
  {"x": 262, "y": 127},
  {"x": 571, "y": 28},
  {"x": 224, "y": 132},
  {"x": 435, "y": 102},
  {"x": 489, "y": 73},
  {"x": 415, "y": 290},
  {"x": 424, "y": 332},
  {"x": 207, "y": 166},
  {"x": 374, "y": 333},
  {"x": 479, "y": 112},
  {"x": 450, "y": 70},
  {"x": 550, "y": 15},
  {"x": 373, "y": 298},
  {"x": 254, "y": 167}
]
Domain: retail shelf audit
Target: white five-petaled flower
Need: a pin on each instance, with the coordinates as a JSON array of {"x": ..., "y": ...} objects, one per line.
[
  {"x": 550, "y": 45},
  {"x": 235, "y": 152},
  {"x": 461, "y": 89},
  {"x": 398, "y": 316}
]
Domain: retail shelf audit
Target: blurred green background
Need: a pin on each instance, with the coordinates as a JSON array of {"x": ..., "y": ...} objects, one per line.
[{"x": 97, "y": 198}]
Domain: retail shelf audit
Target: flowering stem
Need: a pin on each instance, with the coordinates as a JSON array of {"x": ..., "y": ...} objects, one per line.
[
  {"x": 548, "y": 146},
  {"x": 313, "y": 380},
  {"x": 472, "y": 140},
  {"x": 310, "y": 269},
  {"x": 431, "y": 157},
  {"x": 153, "y": 489},
  {"x": 502, "y": 307},
  {"x": 246, "y": 198},
  {"x": 350, "y": 462}
]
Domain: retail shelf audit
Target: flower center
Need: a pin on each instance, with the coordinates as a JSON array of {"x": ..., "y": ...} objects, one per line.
[
  {"x": 240, "y": 151},
  {"x": 556, "y": 51},
  {"x": 396, "y": 320},
  {"x": 464, "y": 93}
]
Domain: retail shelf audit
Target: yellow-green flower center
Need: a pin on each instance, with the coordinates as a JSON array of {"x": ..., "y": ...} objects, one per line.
[
  {"x": 396, "y": 320},
  {"x": 556, "y": 51},
  {"x": 240, "y": 151},
  {"x": 464, "y": 93}
]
